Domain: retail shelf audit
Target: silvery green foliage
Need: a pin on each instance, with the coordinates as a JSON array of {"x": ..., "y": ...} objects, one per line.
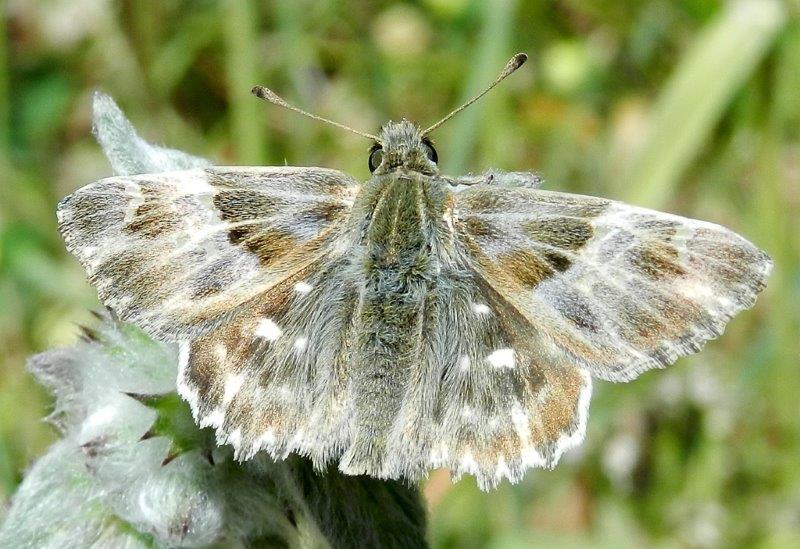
[
  {"x": 128, "y": 153},
  {"x": 133, "y": 470}
]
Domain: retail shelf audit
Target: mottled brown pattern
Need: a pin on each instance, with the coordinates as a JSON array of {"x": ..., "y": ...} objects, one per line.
[
  {"x": 561, "y": 232},
  {"x": 726, "y": 274},
  {"x": 480, "y": 201},
  {"x": 266, "y": 243},
  {"x": 575, "y": 345},
  {"x": 207, "y": 372},
  {"x": 479, "y": 227},
  {"x": 656, "y": 260},
  {"x": 637, "y": 324},
  {"x": 488, "y": 199},
  {"x": 532, "y": 378},
  {"x": 273, "y": 304},
  {"x": 678, "y": 313},
  {"x": 559, "y": 261},
  {"x": 396, "y": 352},
  {"x": 526, "y": 267},
  {"x": 204, "y": 292},
  {"x": 214, "y": 280},
  {"x": 126, "y": 268},
  {"x": 578, "y": 310},
  {"x": 662, "y": 228},
  {"x": 562, "y": 204},
  {"x": 153, "y": 219},
  {"x": 240, "y": 412},
  {"x": 151, "y": 280},
  {"x": 732, "y": 253},
  {"x": 504, "y": 445},
  {"x": 324, "y": 212},
  {"x": 557, "y": 410},
  {"x": 246, "y": 205},
  {"x": 530, "y": 268}
]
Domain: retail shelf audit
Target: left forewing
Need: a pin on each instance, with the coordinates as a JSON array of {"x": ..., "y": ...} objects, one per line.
[
  {"x": 177, "y": 252},
  {"x": 620, "y": 289}
]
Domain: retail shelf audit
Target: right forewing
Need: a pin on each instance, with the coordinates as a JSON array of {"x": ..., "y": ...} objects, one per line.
[{"x": 620, "y": 289}]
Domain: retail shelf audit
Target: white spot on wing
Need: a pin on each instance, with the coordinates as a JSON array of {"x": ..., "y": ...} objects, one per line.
[
  {"x": 521, "y": 421},
  {"x": 268, "y": 329},
  {"x": 696, "y": 291},
  {"x": 301, "y": 343},
  {"x": 235, "y": 438},
  {"x": 481, "y": 309},
  {"x": 232, "y": 386},
  {"x": 193, "y": 181},
  {"x": 267, "y": 438},
  {"x": 303, "y": 287},
  {"x": 502, "y": 470},
  {"x": 464, "y": 363},
  {"x": 570, "y": 440},
  {"x": 502, "y": 358},
  {"x": 214, "y": 419},
  {"x": 468, "y": 462},
  {"x": 183, "y": 354},
  {"x": 299, "y": 437},
  {"x": 221, "y": 352},
  {"x": 439, "y": 455},
  {"x": 188, "y": 392},
  {"x": 532, "y": 458}
]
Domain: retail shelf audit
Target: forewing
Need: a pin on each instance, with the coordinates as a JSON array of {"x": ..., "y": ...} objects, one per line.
[
  {"x": 177, "y": 253},
  {"x": 620, "y": 289}
]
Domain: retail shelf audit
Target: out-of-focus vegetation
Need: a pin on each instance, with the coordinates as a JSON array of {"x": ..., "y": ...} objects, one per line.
[{"x": 690, "y": 106}]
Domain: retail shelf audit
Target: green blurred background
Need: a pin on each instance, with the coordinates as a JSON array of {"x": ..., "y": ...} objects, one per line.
[{"x": 689, "y": 106}]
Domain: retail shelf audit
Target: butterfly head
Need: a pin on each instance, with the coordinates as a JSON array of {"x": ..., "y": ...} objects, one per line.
[{"x": 403, "y": 146}]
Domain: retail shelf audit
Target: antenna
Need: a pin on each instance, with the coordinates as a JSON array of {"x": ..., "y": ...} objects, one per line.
[
  {"x": 268, "y": 95},
  {"x": 513, "y": 64}
]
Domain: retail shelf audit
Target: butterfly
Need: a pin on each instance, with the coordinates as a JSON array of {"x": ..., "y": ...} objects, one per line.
[{"x": 410, "y": 322}]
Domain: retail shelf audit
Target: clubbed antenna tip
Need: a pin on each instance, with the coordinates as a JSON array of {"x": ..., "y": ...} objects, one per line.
[{"x": 513, "y": 64}]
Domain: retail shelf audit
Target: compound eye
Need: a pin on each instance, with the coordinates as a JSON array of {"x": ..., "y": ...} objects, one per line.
[
  {"x": 375, "y": 157},
  {"x": 433, "y": 156}
]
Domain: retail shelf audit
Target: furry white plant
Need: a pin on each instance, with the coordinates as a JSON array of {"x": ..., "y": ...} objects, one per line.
[{"x": 133, "y": 470}]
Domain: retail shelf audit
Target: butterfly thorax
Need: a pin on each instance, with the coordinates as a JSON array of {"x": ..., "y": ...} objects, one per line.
[{"x": 400, "y": 232}]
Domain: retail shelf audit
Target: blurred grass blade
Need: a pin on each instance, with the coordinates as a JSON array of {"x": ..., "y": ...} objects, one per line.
[
  {"x": 5, "y": 96},
  {"x": 247, "y": 114},
  {"x": 697, "y": 95},
  {"x": 297, "y": 61},
  {"x": 195, "y": 32},
  {"x": 492, "y": 50}
]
